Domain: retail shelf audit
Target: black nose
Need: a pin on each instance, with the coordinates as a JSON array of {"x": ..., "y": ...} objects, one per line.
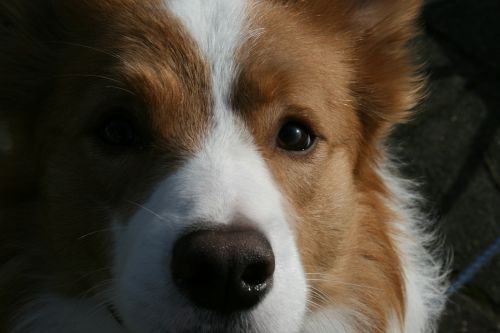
[{"x": 226, "y": 269}]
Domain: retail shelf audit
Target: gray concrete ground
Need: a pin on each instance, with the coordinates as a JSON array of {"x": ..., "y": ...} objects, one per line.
[{"x": 453, "y": 148}]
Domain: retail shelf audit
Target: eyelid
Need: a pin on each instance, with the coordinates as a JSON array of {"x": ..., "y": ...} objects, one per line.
[
  {"x": 303, "y": 115},
  {"x": 305, "y": 123}
]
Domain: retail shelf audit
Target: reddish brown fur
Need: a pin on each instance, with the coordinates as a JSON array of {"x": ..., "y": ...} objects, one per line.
[
  {"x": 56, "y": 171},
  {"x": 345, "y": 72},
  {"x": 343, "y": 69}
]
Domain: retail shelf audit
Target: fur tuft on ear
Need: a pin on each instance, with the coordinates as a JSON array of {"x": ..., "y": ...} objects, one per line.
[
  {"x": 385, "y": 15},
  {"x": 364, "y": 15},
  {"x": 389, "y": 83}
]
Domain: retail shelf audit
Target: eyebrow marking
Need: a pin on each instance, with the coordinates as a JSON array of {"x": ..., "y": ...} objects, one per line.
[{"x": 218, "y": 27}]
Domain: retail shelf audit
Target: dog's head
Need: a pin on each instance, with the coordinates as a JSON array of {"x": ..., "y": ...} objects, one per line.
[{"x": 209, "y": 165}]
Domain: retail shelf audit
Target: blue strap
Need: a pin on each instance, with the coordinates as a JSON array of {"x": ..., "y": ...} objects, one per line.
[{"x": 470, "y": 272}]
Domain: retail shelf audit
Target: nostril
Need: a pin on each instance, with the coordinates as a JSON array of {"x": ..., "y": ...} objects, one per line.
[
  {"x": 258, "y": 273},
  {"x": 227, "y": 269}
]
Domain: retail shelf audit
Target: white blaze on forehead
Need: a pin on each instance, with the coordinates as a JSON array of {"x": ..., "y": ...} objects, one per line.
[
  {"x": 219, "y": 28},
  {"x": 228, "y": 157},
  {"x": 226, "y": 181}
]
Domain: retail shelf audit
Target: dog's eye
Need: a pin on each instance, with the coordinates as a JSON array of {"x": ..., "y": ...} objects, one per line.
[
  {"x": 296, "y": 137},
  {"x": 118, "y": 131}
]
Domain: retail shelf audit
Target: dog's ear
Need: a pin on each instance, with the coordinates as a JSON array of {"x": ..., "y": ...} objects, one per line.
[
  {"x": 364, "y": 15},
  {"x": 387, "y": 84},
  {"x": 383, "y": 16}
]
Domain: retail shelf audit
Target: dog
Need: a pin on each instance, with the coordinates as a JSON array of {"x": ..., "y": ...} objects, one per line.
[{"x": 210, "y": 166}]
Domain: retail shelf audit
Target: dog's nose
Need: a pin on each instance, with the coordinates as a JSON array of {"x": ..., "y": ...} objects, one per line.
[{"x": 227, "y": 269}]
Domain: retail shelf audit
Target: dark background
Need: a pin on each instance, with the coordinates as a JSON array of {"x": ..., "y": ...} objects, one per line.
[{"x": 452, "y": 148}]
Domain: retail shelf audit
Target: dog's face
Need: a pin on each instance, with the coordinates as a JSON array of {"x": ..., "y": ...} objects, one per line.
[{"x": 211, "y": 165}]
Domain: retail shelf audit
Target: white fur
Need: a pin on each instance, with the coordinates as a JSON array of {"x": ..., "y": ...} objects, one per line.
[
  {"x": 218, "y": 185},
  {"x": 219, "y": 28},
  {"x": 334, "y": 320},
  {"x": 226, "y": 182},
  {"x": 424, "y": 277}
]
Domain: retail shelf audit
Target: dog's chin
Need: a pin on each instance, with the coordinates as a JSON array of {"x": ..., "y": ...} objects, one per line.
[
  {"x": 200, "y": 321},
  {"x": 213, "y": 322},
  {"x": 275, "y": 314}
]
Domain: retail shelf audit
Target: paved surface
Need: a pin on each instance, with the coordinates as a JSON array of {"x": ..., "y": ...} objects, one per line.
[{"x": 453, "y": 148}]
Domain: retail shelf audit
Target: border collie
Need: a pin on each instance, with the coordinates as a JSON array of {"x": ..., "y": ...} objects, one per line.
[{"x": 218, "y": 166}]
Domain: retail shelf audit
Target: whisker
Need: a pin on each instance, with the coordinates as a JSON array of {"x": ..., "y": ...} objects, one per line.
[
  {"x": 100, "y": 287},
  {"x": 122, "y": 89},
  {"x": 102, "y": 305},
  {"x": 342, "y": 283},
  {"x": 323, "y": 277},
  {"x": 313, "y": 304},
  {"x": 96, "y": 232},
  {"x": 147, "y": 210},
  {"x": 321, "y": 296}
]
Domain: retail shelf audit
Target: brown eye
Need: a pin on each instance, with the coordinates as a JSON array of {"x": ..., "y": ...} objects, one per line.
[
  {"x": 295, "y": 137},
  {"x": 118, "y": 131}
]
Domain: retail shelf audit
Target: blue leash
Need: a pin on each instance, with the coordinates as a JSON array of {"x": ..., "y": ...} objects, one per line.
[{"x": 470, "y": 272}]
